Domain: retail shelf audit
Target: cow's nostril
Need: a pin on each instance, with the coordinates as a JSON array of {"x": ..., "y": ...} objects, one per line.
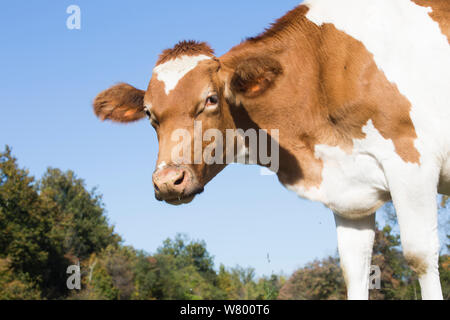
[
  {"x": 180, "y": 180},
  {"x": 156, "y": 187}
]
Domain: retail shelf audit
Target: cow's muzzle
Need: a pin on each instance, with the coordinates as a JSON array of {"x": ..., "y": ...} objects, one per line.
[{"x": 176, "y": 185}]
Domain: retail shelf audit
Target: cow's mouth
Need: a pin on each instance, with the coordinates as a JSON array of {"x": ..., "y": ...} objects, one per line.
[{"x": 182, "y": 199}]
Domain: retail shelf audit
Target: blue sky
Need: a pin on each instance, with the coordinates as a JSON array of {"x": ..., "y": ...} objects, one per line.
[{"x": 50, "y": 75}]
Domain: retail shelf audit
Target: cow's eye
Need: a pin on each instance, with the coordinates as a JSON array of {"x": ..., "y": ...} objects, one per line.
[
  {"x": 154, "y": 122},
  {"x": 211, "y": 104},
  {"x": 212, "y": 100}
]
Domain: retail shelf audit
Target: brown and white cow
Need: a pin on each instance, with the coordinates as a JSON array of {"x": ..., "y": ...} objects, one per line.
[{"x": 359, "y": 91}]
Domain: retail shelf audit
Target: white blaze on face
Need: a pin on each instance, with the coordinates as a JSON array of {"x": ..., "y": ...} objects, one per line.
[
  {"x": 171, "y": 72},
  {"x": 161, "y": 166}
]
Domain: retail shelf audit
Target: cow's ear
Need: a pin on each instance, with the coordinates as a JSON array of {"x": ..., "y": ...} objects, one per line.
[
  {"x": 120, "y": 103},
  {"x": 255, "y": 75}
]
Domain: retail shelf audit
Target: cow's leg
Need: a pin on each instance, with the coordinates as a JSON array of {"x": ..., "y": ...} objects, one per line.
[
  {"x": 355, "y": 244},
  {"x": 413, "y": 193}
]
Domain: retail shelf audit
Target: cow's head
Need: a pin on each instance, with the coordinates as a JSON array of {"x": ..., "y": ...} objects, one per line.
[{"x": 190, "y": 90}]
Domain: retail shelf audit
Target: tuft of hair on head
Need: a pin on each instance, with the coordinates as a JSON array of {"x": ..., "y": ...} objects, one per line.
[{"x": 185, "y": 48}]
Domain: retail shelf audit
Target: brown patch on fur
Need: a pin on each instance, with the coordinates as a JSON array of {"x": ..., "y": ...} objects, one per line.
[
  {"x": 185, "y": 48},
  {"x": 440, "y": 13},
  {"x": 120, "y": 103},
  {"x": 416, "y": 263},
  {"x": 354, "y": 91},
  {"x": 329, "y": 89}
]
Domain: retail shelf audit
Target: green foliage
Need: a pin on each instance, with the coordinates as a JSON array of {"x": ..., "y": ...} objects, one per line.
[
  {"x": 16, "y": 286},
  {"x": 47, "y": 226},
  {"x": 25, "y": 227},
  {"x": 444, "y": 269},
  {"x": 181, "y": 269},
  {"x": 240, "y": 284},
  {"x": 189, "y": 253},
  {"x": 319, "y": 280},
  {"x": 77, "y": 214},
  {"x": 237, "y": 283},
  {"x": 146, "y": 278},
  {"x": 109, "y": 275},
  {"x": 270, "y": 286},
  {"x": 397, "y": 279}
]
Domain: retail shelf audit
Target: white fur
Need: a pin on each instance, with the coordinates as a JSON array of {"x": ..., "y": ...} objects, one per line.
[
  {"x": 354, "y": 184},
  {"x": 409, "y": 47},
  {"x": 161, "y": 166},
  {"x": 355, "y": 256},
  {"x": 171, "y": 72}
]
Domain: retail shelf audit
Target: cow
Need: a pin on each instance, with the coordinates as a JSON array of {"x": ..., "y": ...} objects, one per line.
[{"x": 359, "y": 91}]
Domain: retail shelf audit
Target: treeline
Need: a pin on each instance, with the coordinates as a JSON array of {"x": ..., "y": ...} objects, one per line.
[{"x": 49, "y": 224}]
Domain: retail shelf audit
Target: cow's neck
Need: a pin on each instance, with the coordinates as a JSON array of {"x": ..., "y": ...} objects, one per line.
[
  {"x": 289, "y": 106},
  {"x": 330, "y": 89}
]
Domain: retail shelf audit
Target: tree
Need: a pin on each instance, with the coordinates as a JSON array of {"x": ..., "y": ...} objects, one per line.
[
  {"x": 146, "y": 277},
  {"x": 185, "y": 270},
  {"x": 319, "y": 280},
  {"x": 109, "y": 275},
  {"x": 189, "y": 252},
  {"x": 26, "y": 225},
  {"x": 47, "y": 226},
  {"x": 269, "y": 287},
  {"x": 16, "y": 286},
  {"x": 398, "y": 281},
  {"x": 402, "y": 282},
  {"x": 77, "y": 215}
]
